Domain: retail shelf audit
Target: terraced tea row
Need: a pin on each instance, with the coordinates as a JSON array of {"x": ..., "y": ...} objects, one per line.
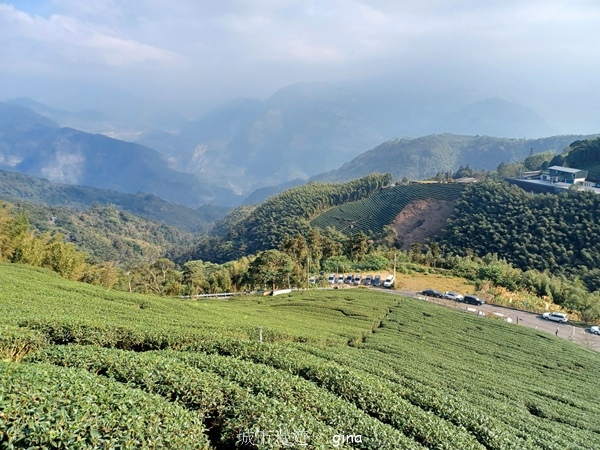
[
  {"x": 370, "y": 215},
  {"x": 416, "y": 375}
]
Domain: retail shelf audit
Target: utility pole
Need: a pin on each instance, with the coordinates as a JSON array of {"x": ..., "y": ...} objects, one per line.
[
  {"x": 308, "y": 272},
  {"x": 394, "y": 268}
]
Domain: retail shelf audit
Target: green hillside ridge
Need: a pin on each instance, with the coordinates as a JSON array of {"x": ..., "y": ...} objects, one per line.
[
  {"x": 253, "y": 228},
  {"x": 16, "y": 187},
  {"x": 384, "y": 371},
  {"x": 107, "y": 234},
  {"x": 423, "y": 157}
]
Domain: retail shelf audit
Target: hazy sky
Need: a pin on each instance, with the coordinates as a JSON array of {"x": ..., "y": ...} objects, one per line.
[{"x": 189, "y": 53}]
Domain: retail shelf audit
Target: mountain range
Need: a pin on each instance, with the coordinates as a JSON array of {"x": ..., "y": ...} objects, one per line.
[
  {"x": 303, "y": 130},
  {"x": 36, "y": 145},
  {"x": 306, "y": 129},
  {"x": 251, "y": 148}
]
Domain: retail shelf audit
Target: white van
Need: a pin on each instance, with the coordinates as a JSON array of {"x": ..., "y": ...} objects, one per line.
[{"x": 389, "y": 282}]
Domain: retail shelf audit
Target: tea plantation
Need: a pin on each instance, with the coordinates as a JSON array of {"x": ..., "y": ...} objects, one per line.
[
  {"x": 83, "y": 367},
  {"x": 370, "y": 215}
]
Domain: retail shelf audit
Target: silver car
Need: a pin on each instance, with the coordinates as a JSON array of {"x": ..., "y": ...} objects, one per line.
[
  {"x": 449, "y": 295},
  {"x": 555, "y": 317}
]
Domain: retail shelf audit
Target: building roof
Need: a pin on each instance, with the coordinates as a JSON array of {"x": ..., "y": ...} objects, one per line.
[{"x": 564, "y": 169}]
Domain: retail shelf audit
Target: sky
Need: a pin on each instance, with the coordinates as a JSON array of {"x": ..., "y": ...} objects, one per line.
[{"x": 190, "y": 55}]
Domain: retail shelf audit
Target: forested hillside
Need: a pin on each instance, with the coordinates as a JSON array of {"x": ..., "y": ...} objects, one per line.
[
  {"x": 249, "y": 229},
  {"x": 106, "y": 234},
  {"x": 559, "y": 233},
  {"x": 15, "y": 187}
]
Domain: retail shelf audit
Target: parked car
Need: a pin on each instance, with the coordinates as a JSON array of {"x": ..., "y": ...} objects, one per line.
[
  {"x": 473, "y": 300},
  {"x": 595, "y": 330},
  {"x": 389, "y": 282},
  {"x": 349, "y": 278},
  {"x": 357, "y": 279},
  {"x": 432, "y": 293},
  {"x": 450, "y": 295},
  {"x": 331, "y": 279},
  {"x": 555, "y": 317},
  {"x": 368, "y": 280},
  {"x": 340, "y": 279},
  {"x": 312, "y": 280},
  {"x": 377, "y": 281}
]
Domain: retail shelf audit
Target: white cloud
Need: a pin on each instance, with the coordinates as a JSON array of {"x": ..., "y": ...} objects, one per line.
[
  {"x": 195, "y": 49},
  {"x": 59, "y": 40}
]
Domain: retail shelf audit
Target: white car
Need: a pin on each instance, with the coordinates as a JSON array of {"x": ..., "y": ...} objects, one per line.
[
  {"x": 331, "y": 279},
  {"x": 389, "y": 282},
  {"x": 555, "y": 317},
  {"x": 595, "y": 330}
]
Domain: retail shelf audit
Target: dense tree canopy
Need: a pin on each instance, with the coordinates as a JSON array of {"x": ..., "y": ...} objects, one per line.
[{"x": 558, "y": 233}]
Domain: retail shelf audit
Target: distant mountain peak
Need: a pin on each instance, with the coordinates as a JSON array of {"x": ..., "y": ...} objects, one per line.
[
  {"x": 16, "y": 118},
  {"x": 497, "y": 117}
]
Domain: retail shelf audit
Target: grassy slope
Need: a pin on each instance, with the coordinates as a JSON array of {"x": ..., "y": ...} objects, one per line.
[{"x": 414, "y": 375}]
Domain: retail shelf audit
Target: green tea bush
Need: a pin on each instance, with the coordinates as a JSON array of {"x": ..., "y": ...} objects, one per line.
[
  {"x": 323, "y": 405},
  {"x": 16, "y": 342},
  {"x": 43, "y": 406},
  {"x": 228, "y": 409}
]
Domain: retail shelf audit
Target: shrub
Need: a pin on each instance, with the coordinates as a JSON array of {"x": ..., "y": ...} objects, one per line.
[{"x": 16, "y": 343}]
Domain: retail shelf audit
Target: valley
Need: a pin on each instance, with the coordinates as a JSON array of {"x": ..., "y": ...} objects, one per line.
[
  {"x": 299, "y": 225},
  {"x": 96, "y": 289}
]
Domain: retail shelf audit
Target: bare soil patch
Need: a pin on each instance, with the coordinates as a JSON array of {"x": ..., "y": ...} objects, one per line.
[{"x": 421, "y": 220}]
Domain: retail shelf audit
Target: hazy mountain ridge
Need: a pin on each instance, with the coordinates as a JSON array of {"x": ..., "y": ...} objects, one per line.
[
  {"x": 305, "y": 129},
  {"x": 37, "y": 146},
  {"x": 425, "y": 156}
]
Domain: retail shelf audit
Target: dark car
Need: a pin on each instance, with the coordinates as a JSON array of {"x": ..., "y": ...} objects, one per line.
[
  {"x": 432, "y": 293},
  {"x": 473, "y": 300},
  {"x": 377, "y": 280}
]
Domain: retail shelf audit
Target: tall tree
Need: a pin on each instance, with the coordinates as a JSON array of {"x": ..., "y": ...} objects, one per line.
[{"x": 271, "y": 268}]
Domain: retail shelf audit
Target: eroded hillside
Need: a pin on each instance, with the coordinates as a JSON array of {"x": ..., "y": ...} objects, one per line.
[{"x": 421, "y": 220}]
